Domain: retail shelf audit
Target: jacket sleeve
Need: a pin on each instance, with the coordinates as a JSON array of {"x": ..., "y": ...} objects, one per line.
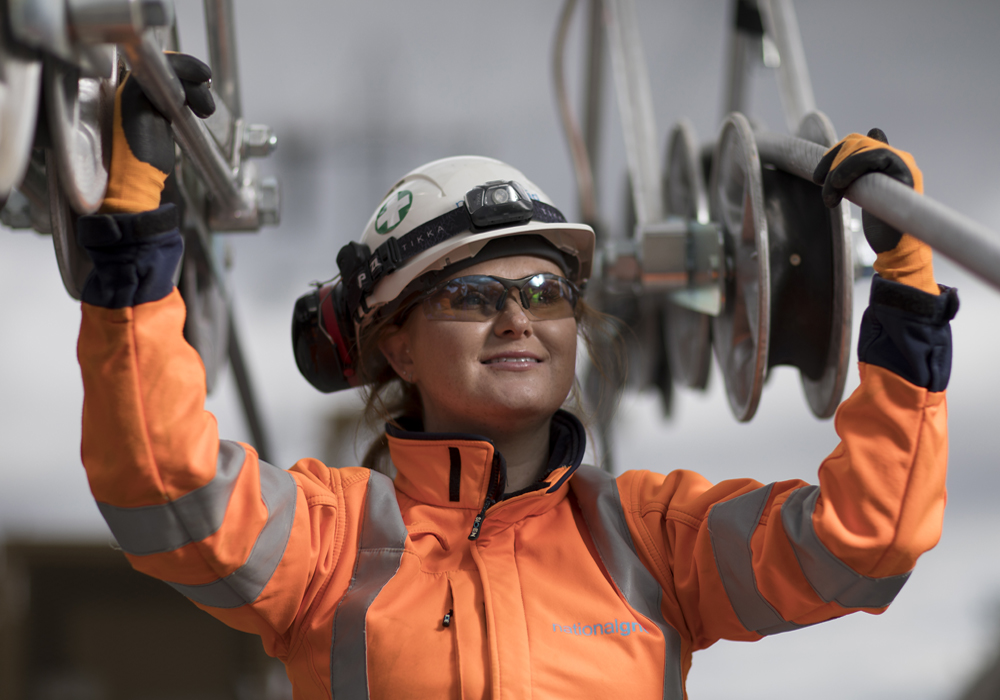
[
  {"x": 740, "y": 560},
  {"x": 245, "y": 540}
]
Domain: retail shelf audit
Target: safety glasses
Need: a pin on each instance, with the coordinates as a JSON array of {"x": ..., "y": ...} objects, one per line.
[{"x": 543, "y": 296}]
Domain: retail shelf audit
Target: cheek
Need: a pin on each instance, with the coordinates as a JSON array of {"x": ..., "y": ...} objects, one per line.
[
  {"x": 563, "y": 346},
  {"x": 439, "y": 349}
]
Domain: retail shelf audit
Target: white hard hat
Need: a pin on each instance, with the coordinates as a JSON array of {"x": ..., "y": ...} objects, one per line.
[{"x": 443, "y": 214}]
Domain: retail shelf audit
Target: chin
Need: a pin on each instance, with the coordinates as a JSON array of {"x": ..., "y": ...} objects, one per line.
[{"x": 516, "y": 406}]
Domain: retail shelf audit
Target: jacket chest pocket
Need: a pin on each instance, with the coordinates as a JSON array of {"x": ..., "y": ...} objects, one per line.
[{"x": 426, "y": 637}]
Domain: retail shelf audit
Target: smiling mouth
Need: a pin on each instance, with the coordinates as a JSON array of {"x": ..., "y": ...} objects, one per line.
[{"x": 511, "y": 360}]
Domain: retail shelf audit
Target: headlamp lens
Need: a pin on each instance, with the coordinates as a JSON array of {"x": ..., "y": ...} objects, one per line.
[{"x": 498, "y": 203}]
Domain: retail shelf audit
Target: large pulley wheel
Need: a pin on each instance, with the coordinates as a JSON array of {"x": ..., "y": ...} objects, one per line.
[
  {"x": 20, "y": 84},
  {"x": 824, "y": 394},
  {"x": 80, "y": 113},
  {"x": 820, "y": 279},
  {"x": 74, "y": 262},
  {"x": 740, "y": 333},
  {"x": 687, "y": 333}
]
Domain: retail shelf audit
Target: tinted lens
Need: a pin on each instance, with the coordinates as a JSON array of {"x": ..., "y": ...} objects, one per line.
[
  {"x": 472, "y": 298},
  {"x": 475, "y": 297},
  {"x": 549, "y": 297}
]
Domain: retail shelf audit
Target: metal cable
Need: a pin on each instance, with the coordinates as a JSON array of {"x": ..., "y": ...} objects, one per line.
[{"x": 571, "y": 128}]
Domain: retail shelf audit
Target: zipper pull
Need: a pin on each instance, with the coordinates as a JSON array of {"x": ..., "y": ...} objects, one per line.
[
  {"x": 478, "y": 522},
  {"x": 446, "y": 622},
  {"x": 494, "y": 487}
]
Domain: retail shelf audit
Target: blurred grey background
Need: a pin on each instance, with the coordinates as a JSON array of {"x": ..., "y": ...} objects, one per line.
[{"x": 359, "y": 93}]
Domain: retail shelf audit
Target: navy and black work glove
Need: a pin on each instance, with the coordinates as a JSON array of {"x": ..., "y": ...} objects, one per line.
[
  {"x": 142, "y": 147},
  {"x": 135, "y": 256},
  {"x": 901, "y": 257}
]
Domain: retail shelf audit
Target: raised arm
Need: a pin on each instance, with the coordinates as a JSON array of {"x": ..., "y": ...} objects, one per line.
[
  {"x": 249, "y": 542},
  {"x": 739, "y": 559}
]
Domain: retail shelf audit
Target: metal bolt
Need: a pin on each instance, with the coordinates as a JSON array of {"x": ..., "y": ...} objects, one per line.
[
  {"x": 259, "y": 141},
  {"x": 795, "y": 259}
]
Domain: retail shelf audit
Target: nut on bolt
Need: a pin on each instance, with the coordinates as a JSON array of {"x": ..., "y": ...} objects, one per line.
[
  {"x": 258, "y": 141},
  {"x": 268, "y": 202}
]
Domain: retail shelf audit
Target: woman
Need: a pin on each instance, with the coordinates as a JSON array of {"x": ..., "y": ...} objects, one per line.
[{"x": 494, "y": 565}]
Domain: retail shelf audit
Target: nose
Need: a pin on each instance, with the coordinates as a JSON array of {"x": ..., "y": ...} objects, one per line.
[{"x": 512, "y": 321}]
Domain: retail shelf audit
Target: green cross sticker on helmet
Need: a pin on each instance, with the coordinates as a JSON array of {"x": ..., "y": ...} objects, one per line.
[{"x": 393, "y": 211}]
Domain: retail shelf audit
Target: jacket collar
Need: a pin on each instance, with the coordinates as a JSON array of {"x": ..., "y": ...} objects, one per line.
[{"x": 460, "y": 470}]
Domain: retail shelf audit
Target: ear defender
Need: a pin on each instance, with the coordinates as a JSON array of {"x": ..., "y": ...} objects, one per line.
[{"x": 321, "y": 339}]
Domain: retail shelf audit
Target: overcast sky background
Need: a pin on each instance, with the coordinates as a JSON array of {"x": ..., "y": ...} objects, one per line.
[{"x": 360, "y": 93}]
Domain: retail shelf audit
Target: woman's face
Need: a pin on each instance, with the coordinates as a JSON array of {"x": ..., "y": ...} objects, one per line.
[{"x": 459, "y": 368}]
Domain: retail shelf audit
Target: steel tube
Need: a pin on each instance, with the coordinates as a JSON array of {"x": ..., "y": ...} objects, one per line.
[
  {"x": 967, "y": 242},
  {"x": 635, "y": 103},
  {"x": 150, "y": 68},
  {"x": 793, "y": 75},
  {"x": 221, "y": 31},
  {"x": 737, "y": 74}
]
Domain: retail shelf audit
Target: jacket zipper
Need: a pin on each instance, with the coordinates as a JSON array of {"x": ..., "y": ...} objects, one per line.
[{"x": 492, "y": 495}]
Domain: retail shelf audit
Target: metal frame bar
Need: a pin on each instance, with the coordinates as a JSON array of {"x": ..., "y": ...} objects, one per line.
[
  {"x": 220, "y": 22},
  {"x": 635, "y": 104},
  {"x": 795, "y": 87},
  {"x": 738, "y": 67}
]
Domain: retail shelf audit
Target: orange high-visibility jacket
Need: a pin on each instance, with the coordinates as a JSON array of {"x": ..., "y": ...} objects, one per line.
[{"x": 583, "y": 586}]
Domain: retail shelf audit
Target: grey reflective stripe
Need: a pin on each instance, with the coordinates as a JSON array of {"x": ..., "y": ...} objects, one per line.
[
  {"x": 380, "y": 551},
  {"x": 597, "y": 495},
  {"x": 191, "y": 518},
  {"x": 731, "y": 525},
  {"x": 243, "y": 586},
  {"x": 832, "y": 579}
]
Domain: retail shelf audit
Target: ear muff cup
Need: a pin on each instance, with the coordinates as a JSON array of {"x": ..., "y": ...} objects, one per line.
[{"x": 320, "y": 342}]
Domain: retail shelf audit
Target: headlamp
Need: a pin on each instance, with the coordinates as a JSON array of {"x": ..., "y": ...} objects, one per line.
[{"x": 498, "y": 203}]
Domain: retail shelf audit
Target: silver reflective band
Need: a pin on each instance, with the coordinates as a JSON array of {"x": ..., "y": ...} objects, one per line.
[
  {"x": 731, "y": 525},
  {"x": 243, "y": 586},
  {"x": 597, "y": 495},
  {"x": 380, "y": 550},
  {"x": 832, "y": 579},
  {"x": 191, "y": 518}
]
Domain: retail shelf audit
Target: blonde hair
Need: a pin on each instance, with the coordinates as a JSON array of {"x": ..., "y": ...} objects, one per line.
[{"x": 388, "y": 398}]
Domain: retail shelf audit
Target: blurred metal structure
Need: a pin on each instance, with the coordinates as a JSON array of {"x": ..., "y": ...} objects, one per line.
[
  {"x": 762, "y": 275},
  {"x": 60, "y": 62}
]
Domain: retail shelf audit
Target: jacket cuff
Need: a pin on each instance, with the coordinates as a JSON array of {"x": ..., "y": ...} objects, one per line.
[
  {"x": 135, "y": 256},
  {"x": 907, "y": 331}
]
